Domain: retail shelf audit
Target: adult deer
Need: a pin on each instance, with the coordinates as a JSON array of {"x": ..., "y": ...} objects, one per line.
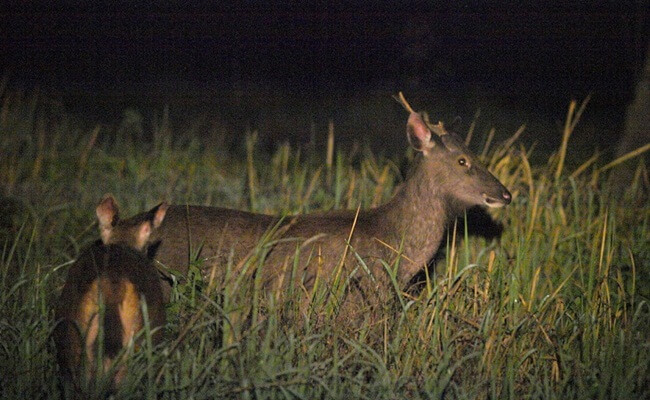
[{"x": 445, "y": 180}]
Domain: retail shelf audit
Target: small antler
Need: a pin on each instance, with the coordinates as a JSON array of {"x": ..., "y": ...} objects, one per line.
[
  {"x": 439, "y": 128},
  {"x": 400, "y": 99}
]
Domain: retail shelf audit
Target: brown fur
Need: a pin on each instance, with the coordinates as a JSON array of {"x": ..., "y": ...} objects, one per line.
[
  {"x": 119, "y": 276},
  {"x": 445, "y": 180}
]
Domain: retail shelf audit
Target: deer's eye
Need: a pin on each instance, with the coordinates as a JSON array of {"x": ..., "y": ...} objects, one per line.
[{"x": 462, "y": 162}]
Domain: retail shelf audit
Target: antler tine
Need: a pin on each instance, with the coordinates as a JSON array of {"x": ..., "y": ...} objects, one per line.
[
  {"x": 438, "y": 129},
  {"x": 400, "y": 98}
]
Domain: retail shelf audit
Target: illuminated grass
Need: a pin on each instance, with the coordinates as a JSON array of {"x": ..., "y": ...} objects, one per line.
[{"x": 555, "y": 308}]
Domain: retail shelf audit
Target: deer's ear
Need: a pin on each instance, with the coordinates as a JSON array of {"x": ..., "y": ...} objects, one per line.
[
  {"x": 419, "y": 134},
  {"x": 107, "y": 216},
  {"x": 142, "y": 234},
  {"x": 159, "y": 213}
]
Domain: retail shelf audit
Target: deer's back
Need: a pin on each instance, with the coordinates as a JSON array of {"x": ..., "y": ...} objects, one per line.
[
  {"x": 122, "y": 276},
  {"x": 206, "y": 233}
]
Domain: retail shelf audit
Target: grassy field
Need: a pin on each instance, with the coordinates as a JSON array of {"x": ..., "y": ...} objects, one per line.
[{"x": 557, "y": 307}]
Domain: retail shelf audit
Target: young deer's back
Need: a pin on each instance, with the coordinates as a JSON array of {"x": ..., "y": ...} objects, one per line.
[
  {"x": 207, "y": 233},
  {"x": 119, "y": 276}
]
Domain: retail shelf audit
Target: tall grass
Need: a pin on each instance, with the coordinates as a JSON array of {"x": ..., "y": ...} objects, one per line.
[{"x": 557, "y": 307}]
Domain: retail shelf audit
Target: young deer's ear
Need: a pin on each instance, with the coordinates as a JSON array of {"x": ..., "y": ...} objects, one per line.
[
  {"x": 107, "y": 215},
  {"x": 142, "y": 234},
  {"x": 419, "y": 134},
  {"x": 159, "y": 214}
]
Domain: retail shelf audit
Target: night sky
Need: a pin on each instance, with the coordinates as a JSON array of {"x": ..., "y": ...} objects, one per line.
[{"x": 526, "y": 54}]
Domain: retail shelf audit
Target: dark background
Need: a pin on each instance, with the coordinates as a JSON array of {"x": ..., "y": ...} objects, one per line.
[{"x": 286, "y": 70}]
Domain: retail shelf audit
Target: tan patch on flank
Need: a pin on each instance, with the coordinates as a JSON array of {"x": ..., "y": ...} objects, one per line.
[
  {"x": 130, "y": 314},
  {"x": 128, "y": 299},
  {"x": 88, "y": 319}
]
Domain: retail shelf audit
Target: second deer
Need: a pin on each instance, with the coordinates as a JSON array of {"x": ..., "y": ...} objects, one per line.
[{"x": 116, "y": 274}]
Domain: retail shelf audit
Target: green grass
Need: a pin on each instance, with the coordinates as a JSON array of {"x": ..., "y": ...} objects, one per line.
[{"x": 556, "y": 308}]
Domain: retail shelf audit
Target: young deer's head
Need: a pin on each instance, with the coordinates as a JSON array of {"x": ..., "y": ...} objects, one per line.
[
  {"x": 451, "y": 168},
  {"x": 133, "y": 232}
]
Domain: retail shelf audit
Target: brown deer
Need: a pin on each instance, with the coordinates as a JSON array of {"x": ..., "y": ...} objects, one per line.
[
  {"x": 115, "y": 272},
  {"x": 444, "y": 181}
]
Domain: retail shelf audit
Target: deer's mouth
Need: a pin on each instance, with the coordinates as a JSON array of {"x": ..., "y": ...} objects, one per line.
[{"x": 496, "y": 202}]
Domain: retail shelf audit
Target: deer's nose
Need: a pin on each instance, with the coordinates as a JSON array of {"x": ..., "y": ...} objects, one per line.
[{"x": 507, "y": 197}]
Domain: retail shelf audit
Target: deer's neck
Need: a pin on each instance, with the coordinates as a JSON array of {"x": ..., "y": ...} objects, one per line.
[{"x": 416, "y": 217}]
